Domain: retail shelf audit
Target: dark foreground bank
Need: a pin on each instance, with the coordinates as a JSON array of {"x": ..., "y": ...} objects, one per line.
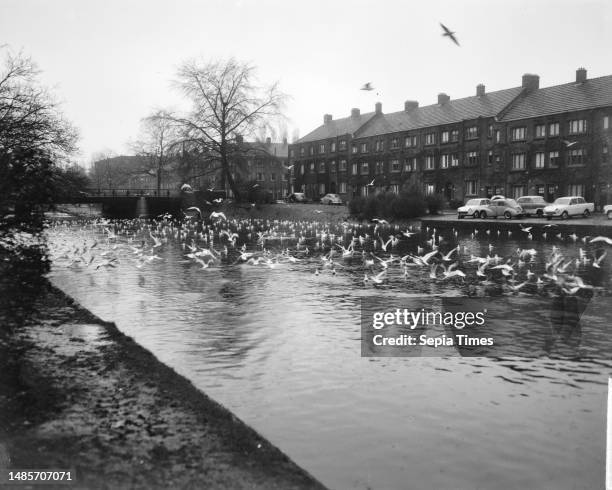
[{"x": 76, "y": 393}]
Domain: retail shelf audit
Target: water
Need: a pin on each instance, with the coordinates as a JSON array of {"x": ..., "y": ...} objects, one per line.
[{"x": 280, "y": 346}]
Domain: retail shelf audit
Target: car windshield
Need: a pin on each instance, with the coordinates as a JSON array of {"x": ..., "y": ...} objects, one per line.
[
  {"x": 473, "y": 202},
  {"x": 563, "y": 200}
]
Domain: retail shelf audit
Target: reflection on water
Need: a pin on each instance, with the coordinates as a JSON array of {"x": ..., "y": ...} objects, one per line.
[{"x": 279, "y": 344}]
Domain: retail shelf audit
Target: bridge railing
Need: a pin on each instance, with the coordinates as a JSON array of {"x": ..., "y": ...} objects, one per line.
[{"x": 99, "y": 192}]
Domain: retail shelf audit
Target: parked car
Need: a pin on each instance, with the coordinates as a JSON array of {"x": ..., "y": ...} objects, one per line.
[
  {"x": 532, "y": 205},
  {"x": 497, "y": 196},
  {"x": 564, "y": 207},
  {"x": 331, "y": 199},
  {"x": 476, "y": 208},
  {"x": 508, "y": 208},
  {"x": 297, "y": 197},
  {"x": 607, "y": 210}
]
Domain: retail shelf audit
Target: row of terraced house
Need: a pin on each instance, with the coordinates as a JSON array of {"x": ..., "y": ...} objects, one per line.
[{"x": 527, "y": 140}]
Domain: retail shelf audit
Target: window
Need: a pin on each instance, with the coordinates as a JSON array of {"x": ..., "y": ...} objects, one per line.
[
  {"x": 606, "y": 122},
  {"x": 490, "y": 131},
  {"x": 490, "y": 157},
  {"x": 472, "y": 158},
  {"x": 445, "y": 161},
  {"x": 342, "y": 188},
  {"x": 342, "y": 145},
  {"x": 354, "y": 149},
  {"x": 553, "y": 159},
  {"x": 342, "y": 166},
  {"x": 312, "y": 168},
  {"x": 454, "y": 136},
  {"x": 379, "y": 167},
  {"x": 470, "y": 188},
  {"x": 284, "y": 177},
  {"x": 410, "y": 164},
  {"x": 364, "y": 191},
  {"x": 394, "y": 188},
  {"x": 553, "y": 129},
  {"x": 499, "y": 190},
  {"x": 430, "y": 189},
  {"x": 518, "y": 161},
  {"x": 322, "y": 148},
  {"x": 321, "y": 167},
  {"x": 455, "y": 160},
  {"x": 497, "y": 136},
  {"x": 302, "y": 168},
  {"x": 540, "y": 130},
  {"x": 575, "y": 190},
  {"x": 471, "y": 133},
  {"x": 311, "y": 150},
  {"x": 364, "y": 147},
  {"x": 365, "y": 168},
  {"x": 332, "y": 146},
  {"x": 429, "y": 162},
  {"x": 394, "y": 143},
  {"x": 576, "y": 157},
  {"x": 604, "y": 152},
  {"x": 518, "y": 134},
  {"x": 379, "y": 145},
  {"x": 539, "y": 159},
  {"x": 445, "y": 137},
  {"x": 518, "y": 191},
  {"x": 321, "y": 188},
  {"x": 394, "y": 165},
  {"x": 540, "y": 190},
  {"x": 272, "y": 177},
  {"x": 302, "y": 151},
  {"x": 577, "y": 126},
  {"x": 410, "y": 141},
  {"x": 354, "y": 169},
  {"x": 292, "y": 153},
  {"x": 430, "y": 138},
  {"x": 260, "y": 177},
  {"x": 332, "y": 166}
]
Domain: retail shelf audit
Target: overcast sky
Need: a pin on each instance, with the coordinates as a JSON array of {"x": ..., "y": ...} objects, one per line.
[{"x": 111, "y": 62}]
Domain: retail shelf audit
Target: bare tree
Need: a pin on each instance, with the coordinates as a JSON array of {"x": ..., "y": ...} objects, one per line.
[
  {"x": 159, "y": 142},
  {"x": 30, "y": 119},
  {"x": 226, "y": 102}
]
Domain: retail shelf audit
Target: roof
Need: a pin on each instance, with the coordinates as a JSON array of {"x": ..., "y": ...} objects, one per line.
[
  {"x": 594, "y": 92},
  {"x": 280, "y": 150},
  {"x": 338, "y": 127},
  {"x": 453, "y": 111}
]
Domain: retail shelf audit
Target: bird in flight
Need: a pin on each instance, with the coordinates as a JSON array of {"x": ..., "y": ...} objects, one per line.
[
  {"x": 372, "y": 183},
  {"x": 569, "y": 143},
  {"x": 367, "y": 86},
  {"x": 449, "y": 33}
]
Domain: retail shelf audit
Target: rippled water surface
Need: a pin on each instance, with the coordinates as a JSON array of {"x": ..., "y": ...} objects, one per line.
[{"x": 279, "y": 344}]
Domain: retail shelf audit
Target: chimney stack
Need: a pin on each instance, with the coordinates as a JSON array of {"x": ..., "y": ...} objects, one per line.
[
  {"x": 581, "y": 75},
  {"x": 480, "y": 90},
  {"x": 355, "y": 112},
  {"x": 285, "y": 141},
  {"x": 411, "y": 105},
  {"x": 378, "y": 108},
  {"x": 327, "y": 118},
  {"x": 531, "y": 82},
  {"x": 443, "y": 98}
]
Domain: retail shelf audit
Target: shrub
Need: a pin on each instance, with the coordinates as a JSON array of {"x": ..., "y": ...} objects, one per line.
[{"x": 455, "y": 203}]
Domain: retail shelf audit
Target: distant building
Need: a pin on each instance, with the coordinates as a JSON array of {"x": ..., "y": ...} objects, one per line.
[{"x": 524, "y": 140}]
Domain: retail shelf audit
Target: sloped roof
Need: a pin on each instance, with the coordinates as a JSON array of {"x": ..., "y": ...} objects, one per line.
[
  {"x": 280, "y": 150},
  {"x": 453, "y": 111},
  {"x": 338, "y": 127},
  {"x": 596, "y": 92}
]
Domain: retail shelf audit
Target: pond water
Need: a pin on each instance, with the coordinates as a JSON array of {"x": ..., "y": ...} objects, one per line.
[{"x": 279, "y": 343}]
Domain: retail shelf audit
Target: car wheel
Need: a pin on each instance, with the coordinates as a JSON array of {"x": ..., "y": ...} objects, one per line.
[
  {"x": 609, "y": 214},
  {"x": 483, "y": 214},
  {"x": 539, "y": 213},
  {"x": 507, "y": 215},
  {"x": 586, "y": 213},
  {"x": 475, "y": 215},
  {"x": 564, "y": 215},
  {"x": 548, "y": 218}
]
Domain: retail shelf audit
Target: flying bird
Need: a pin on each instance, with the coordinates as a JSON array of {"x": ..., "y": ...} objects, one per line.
[
  {"x": 367, "y": 86},
  {"x": 449, "y": 33},
  {"x": 569, "y": 143}
]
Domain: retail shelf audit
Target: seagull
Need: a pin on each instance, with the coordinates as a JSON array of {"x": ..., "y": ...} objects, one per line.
[
  {"x": 569, "y": 143},
  {"x": 380, "y": 221},
  {"x": 526, "y": 229},
  {"x": 371, "y": 183},
  {"x": 367, "y": 86},
  {"x": 601, "y": 239},
  {"x": 449, "y": 33},
  {"x": 214, "y": 215}
]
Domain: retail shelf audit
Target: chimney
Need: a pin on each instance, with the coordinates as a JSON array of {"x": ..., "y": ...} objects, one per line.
[
  {"x": 531, "y": 82},
  {"x": 480, "y": 90},
  {"x": 354, "y": 112},
  {"x": 378, "y": 108},
  {"x": 268, "y": 141},
  {"x": 443, "y": 98},
  {"x": 411, "y": 105},
  {"x": 285, "y": 141},
  {"x": 581, "y": 75},
  {"x": 327, "y": 118}
]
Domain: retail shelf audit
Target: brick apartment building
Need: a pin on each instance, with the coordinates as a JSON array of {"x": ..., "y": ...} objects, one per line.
[{"x": 525, "y": 140}]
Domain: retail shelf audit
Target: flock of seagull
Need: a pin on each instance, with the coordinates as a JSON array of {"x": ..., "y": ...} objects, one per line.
[{"x": 376, "y": 254}]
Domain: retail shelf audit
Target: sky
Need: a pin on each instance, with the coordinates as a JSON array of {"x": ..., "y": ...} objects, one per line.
[{"x": 112, "y": 62}]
